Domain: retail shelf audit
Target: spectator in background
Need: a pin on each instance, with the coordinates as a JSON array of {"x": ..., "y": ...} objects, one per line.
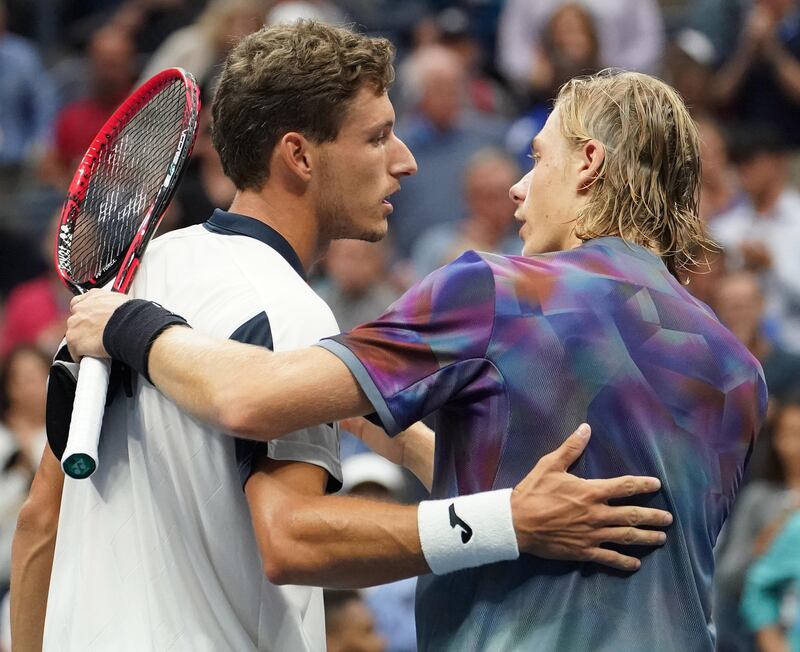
[
  {"x": 489, "y": 222},
  {"x": 290, "y": 11},
  {"x": 719, "y": 20},
  {"x": 631, "y": 36},
  {"x": 204, "y": 186},
  {"x": 36, "y": 311},
  {"x": 112, "y": 71},
  {"x": 689, "y": 67},
  {"x": 720, "y": 191},
  {"x": 27, "y": 103},
  {"x": 349, "y": 625},
  {"x": 763, "y": 233},
  {"x": 762, "y": 503},
  {"x": 443, "y": 135},
  {"x": 371, "y": 476},
  {"x": 358, "y": 288},
  {"x": 772, "y": 579},
  {"x": 203, "y": 45},
  {"x": 149, "y": 22},
  {"x": 739, "y": 304},
  {"x": 23, "y": 382},
  {"x": 19, "y": 260},
  {"x": 568, "y": 46},
  {"x": 454, "y": 31},
  {"x": 760, "y": 81}
]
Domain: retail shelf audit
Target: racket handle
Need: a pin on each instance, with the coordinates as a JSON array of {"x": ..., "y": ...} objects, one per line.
[{"x": 80, "y": 457}]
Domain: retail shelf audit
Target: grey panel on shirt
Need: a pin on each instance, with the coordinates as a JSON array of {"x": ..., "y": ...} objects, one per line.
[{"x": 318, "y": 445}]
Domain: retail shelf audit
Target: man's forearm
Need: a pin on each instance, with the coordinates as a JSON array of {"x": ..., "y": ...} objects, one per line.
[
  {"x": 32, "y": 556},
  {"x": 343, "y": 542},
  {"x": 306, "y": 537},
  {"x": 419, "y": 443},
  {"x": 249, "y": 391}
]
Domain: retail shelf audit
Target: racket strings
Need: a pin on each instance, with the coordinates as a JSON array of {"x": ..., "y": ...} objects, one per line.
[{"x": 127, "y": 175}]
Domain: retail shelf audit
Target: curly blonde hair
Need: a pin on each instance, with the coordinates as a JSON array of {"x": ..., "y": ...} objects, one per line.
[{"x": 647, "y": 189}]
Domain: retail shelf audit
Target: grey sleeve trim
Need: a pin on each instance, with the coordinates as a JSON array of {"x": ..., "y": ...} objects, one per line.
[
  {"x": 363, "y": 378},
  {"x": 308, "y": 453}
]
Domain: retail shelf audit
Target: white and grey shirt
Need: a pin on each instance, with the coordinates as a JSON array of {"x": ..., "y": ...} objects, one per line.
[{"x": 156, "y": 551}]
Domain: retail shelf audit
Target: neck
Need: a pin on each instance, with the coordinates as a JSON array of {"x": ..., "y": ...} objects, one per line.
[{"x": 287, "y": 213}]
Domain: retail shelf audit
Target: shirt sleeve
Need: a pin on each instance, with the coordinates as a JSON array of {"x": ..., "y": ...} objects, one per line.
[
  {"x": 429, "y": 348},
  {"x": 317, "y": 445}
]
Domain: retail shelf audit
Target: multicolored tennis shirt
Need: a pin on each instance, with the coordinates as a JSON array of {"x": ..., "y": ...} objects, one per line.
[{"x": 512, "y": 354}]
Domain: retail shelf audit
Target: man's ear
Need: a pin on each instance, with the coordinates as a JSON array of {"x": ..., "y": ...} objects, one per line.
[
  {"x": 592, "y": 156},
  {"x": 297, "y": 154}
]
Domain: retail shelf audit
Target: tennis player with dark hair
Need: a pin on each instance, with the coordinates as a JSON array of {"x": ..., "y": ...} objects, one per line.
[
  {"x": 509, "y": 351},
  {"x": 161, "y": 547}
]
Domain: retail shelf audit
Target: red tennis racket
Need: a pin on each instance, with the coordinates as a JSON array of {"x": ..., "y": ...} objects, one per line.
[{"x": 117, "y": 198}]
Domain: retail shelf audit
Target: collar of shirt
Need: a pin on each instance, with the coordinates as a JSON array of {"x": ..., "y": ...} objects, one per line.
[
  {"x": 622, "y": 246},
  {"x": 226, "y": 223}
]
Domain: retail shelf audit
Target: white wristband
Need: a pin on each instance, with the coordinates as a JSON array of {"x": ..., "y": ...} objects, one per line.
[{"x": 467, "y": 531}]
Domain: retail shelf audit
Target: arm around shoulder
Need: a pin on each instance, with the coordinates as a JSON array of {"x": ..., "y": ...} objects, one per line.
[{"x": 249, "y": 391}]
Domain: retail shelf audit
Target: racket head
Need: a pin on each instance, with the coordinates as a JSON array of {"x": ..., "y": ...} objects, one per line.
[{"x": 125, "y": 182}]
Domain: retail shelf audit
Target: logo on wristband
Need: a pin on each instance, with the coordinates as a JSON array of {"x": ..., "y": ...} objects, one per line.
[{"x": 456, "y": 520}]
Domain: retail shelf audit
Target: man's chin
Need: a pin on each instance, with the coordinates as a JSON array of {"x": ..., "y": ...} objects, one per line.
[{"x": 375, "y": 233}]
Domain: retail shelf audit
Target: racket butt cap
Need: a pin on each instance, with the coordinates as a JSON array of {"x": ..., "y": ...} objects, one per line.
[{"x": 79, "y": 465}]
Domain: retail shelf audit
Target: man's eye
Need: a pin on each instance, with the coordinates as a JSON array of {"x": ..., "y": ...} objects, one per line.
[{"x": 535, "y": 158}]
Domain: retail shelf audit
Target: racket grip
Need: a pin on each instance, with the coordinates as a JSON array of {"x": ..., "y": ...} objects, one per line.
[{"x": 80, "y": 457}]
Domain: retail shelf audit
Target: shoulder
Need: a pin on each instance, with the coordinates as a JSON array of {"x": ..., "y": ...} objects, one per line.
[{"x": 471, "y": 270}]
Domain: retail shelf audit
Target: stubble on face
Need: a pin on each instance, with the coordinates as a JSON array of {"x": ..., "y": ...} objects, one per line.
[{"x": 336, "y": 219}]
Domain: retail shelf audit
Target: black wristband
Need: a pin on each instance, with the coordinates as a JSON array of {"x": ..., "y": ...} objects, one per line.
[{"x": 133, "y": 328}]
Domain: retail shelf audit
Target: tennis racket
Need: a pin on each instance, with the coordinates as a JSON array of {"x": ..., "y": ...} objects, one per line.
[{"x": 117, "y": 198}]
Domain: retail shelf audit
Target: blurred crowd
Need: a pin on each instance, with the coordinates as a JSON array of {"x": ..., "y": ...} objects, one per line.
[{"x": 475, "y": 84}]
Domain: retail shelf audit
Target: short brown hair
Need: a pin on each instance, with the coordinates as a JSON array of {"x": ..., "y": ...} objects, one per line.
[
  {"x": 647, "y": 190},
  {"x": 299, "y": 77}
]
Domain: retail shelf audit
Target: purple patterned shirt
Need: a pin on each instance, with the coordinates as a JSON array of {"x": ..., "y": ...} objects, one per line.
[{"x": 511, "y": 354}]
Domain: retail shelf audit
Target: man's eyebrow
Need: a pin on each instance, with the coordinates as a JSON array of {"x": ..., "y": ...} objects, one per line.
[
  {"x": 388, "y": 124},
  {"x": 535, "y": 142}
]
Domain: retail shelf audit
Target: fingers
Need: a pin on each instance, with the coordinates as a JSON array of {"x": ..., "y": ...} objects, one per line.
[
  {"x": 613, "y": 559},
  {"x": 81, "y": 297},
  {"x": 630, "y": 536},
  {"x": 568, "y": 453},
  {"x": 625, "y": 486},
  {"x": 633, "y": 516}
]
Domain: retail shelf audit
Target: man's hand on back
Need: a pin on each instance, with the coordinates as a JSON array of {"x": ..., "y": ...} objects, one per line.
[{"x": 560, "y": 516}]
